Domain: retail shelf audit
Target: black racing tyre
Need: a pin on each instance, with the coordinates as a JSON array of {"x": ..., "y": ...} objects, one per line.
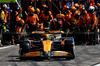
[
  {"x": 68, "y": 47},
  {"x": 25, "y": 47},
  {"x": 72, "y": 57}
]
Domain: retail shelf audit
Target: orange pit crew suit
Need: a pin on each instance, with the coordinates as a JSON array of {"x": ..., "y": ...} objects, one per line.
[
  {"x": 67, "y": 23},
  {"x": 5, "y": 13},
  {"x": 93, "y": 21},
  {"x": 19, "y": 23},
  {"x": 80, "y": 8},
  {"x": 38, "y": 12},
  {"x": 76, "y": 21},
  {"x": 32, "y": 20},
  {"x": 67, "y": 13},
  {"x": 85, "y": 21},
  {"x": 18, "y": 26},
  {"x": 60, "y": 21},
  {"x": 73, "y": 10},
  {"x": 64, "y": 9},
  {"x": 85, "y": 24},
  {"x": 4, "y": 16},
  {"x": 93, "y": 25},
  {"x": 46, "y": 17},
  {"x": 38, "y": 24}
]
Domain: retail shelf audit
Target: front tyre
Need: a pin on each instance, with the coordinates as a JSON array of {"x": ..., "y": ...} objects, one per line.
[
  {"x": 72, "y": 55},
  {"x": 24, "y": 48}
]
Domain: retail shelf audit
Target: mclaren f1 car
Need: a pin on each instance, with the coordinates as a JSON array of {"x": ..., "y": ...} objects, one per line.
[{"x": 47, "y": 45}]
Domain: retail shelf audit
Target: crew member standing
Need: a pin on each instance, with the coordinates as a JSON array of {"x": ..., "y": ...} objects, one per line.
[
  {"x": 46, "y": 17},
  {"x": 32, "y": 19}
]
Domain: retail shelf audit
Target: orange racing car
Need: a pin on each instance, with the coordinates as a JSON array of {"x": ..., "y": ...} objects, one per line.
[{"x": 47, "y": 45}]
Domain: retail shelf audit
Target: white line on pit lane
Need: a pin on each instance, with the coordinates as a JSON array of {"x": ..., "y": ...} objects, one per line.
[
  {"x": 6, "y": 47},
  {"x": 97, "y": 64}
]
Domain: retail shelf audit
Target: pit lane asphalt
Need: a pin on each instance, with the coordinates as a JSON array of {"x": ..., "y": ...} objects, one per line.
[{"x": 85, "y": 56}]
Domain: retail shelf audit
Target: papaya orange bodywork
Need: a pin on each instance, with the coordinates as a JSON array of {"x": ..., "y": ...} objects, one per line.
[
  {"x": 36, "y": 53},
  {"x": 46, "y": 45}
]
